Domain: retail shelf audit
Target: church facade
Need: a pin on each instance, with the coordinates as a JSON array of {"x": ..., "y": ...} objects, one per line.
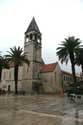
[{"x": 38, "y": 76}]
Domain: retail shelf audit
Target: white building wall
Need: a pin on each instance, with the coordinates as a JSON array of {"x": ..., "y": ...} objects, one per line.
[{"x": 8, "y": 79}]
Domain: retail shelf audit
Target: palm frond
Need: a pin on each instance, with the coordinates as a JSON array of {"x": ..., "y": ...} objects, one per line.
[
  {"x": 68, "y": 48},
  {"x": 17, "y": 56}
]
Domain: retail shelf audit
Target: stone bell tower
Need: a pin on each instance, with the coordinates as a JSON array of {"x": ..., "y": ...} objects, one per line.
[{"x": 32, "y": 50}]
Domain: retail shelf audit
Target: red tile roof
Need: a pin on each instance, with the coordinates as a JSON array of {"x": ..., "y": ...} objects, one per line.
[{"x": 48, "y": 67}]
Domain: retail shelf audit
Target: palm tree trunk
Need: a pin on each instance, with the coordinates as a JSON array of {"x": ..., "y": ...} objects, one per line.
[
  {"x": 16, "y": 78},
  {"x": 73, "y": 67},
  {"x": 73, "y": 73},
  {"x": 82, "y": 69},
  {"x": 0, "y": 74}
]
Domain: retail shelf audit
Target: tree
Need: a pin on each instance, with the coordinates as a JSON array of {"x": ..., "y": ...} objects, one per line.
[
  {"x": 3, "y": 64},
  {"x": 17, "y": 57},
  {"x": 79, "y": 58},
  {"x": 67, "y": 51}
]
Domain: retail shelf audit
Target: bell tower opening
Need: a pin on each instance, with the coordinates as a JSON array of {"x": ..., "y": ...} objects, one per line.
[
  {"x": 33, "y": 36},
  {"x": 33, "y": 33}
]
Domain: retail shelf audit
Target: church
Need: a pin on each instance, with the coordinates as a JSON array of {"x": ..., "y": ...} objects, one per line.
[{"x": 38, "y": 76}]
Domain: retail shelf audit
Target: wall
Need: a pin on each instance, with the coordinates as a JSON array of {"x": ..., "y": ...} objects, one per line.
[
  {"x": 8, "y": 79},
  {"x": 52, "y": 80}
]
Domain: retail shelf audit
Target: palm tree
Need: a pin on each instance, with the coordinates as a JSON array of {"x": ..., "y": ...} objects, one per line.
[
  {"x": 79, "y": 58},
  {"x": 67, "y": 51},
  {"x": 17, "y": 57},
  {"x": 3, "y": 64}
]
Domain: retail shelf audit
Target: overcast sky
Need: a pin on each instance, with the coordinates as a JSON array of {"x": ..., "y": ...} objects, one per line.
[{"x": 56, "y": 19}]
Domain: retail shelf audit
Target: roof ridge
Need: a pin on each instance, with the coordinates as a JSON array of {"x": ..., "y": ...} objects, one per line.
[{"x": 51, "y": 63}]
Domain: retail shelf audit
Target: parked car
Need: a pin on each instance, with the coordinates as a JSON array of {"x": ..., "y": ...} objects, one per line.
[{"x": 74, "y": 90}]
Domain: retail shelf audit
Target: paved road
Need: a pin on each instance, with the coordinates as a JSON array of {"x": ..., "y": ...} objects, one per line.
[{"x": 40, "y": 110}]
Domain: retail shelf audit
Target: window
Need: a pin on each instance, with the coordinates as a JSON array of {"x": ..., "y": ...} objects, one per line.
[
  {"x": 67, "y": 78},
  {"x": 64, "y": 78},
  {"x": 30, "y": 36},
  {"x": 70, "y": 79},
  {"x": 35, "y": 36}
]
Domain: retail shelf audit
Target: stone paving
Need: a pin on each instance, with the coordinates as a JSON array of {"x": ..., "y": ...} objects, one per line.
[{"x": 40, "y": 110}]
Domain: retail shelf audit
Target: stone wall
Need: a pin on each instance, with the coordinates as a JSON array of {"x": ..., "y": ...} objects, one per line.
[{"x": 52, "y": 80}]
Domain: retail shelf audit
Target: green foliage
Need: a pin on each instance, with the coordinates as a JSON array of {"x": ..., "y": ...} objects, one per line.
[
  {"x": 3, "y": 64},
  {"x": 67, "y": 50},
  {"x": 17, "y": 57},
  {"x": 79, "y": 58}
]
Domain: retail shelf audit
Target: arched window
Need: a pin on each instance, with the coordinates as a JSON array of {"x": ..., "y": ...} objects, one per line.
[{"x": 30, "y": 36}]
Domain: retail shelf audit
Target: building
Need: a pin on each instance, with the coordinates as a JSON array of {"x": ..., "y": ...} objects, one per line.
[
  {"x": 68, "y": 80},
  {"x": 51, "y": 77},
  {"x": 38, "y": 77}
]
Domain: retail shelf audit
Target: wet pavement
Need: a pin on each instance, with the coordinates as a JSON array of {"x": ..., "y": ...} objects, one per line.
[{"x": 40, "y": 110}]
